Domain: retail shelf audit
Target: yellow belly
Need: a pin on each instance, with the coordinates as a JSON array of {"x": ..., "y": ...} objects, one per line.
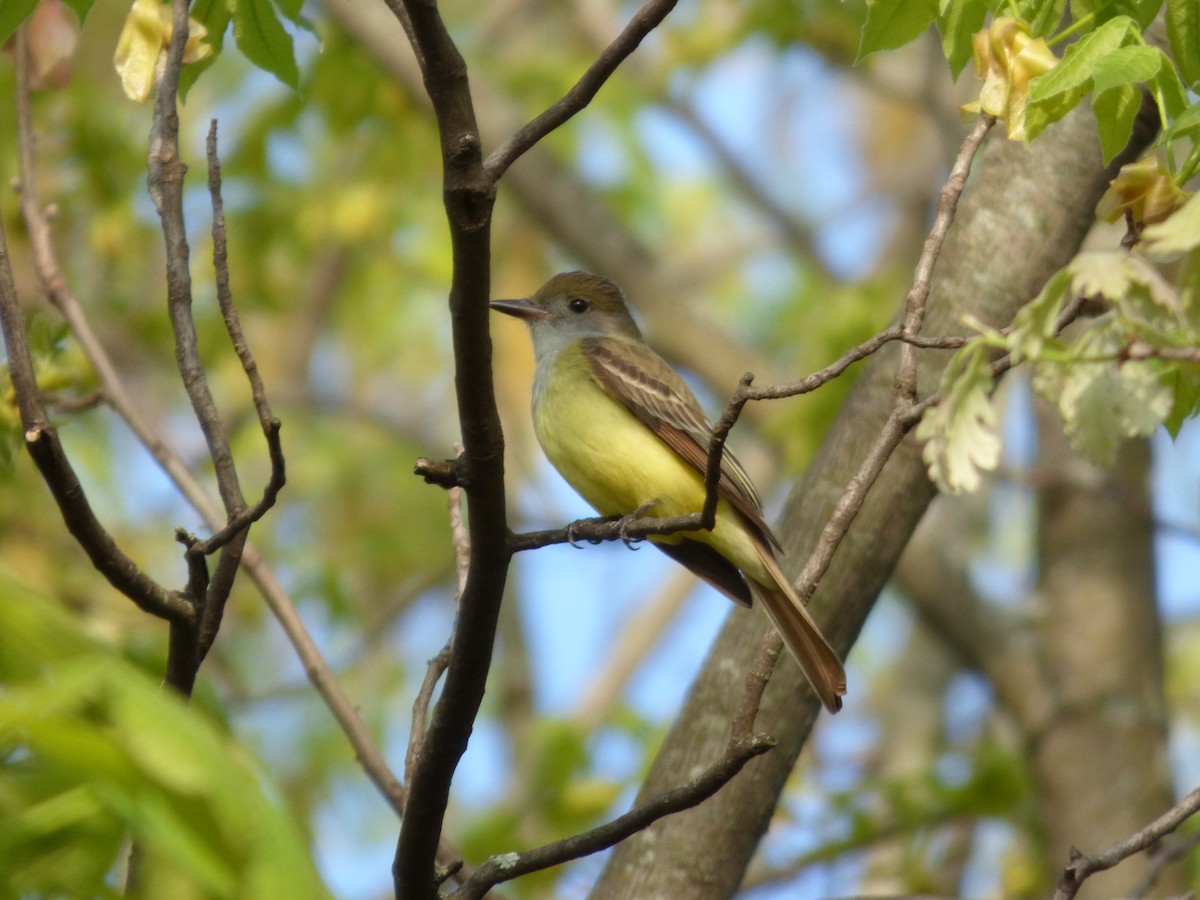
[{"x": 617, "y": 464}]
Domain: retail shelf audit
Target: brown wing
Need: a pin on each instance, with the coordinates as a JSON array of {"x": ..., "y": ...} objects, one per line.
[{"x": 654, "y": 392}]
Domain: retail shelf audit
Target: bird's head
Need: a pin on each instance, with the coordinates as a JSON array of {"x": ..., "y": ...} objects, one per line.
[{"x": 570, "y": 306}]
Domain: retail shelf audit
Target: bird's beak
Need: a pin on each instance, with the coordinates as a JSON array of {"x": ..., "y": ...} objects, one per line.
[{"x": 522, "y": 309}]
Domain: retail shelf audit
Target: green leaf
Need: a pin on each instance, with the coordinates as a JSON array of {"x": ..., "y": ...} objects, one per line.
[
  {"x": 1100, "y": 274},
  {"x": 1045, "y": 17},
  {"x": 106, "y": 754},
  {"x": 1179, "y": 233},
  {"x": 1101, "y": 11},
  {"x": 1186, "y": 125},
  {"x": 957, "y": 21},
  {"x": 1169, "y": 92},
  {"x": 893, "y": 23},
  {"x": 12, "y": 14},
  {"x": 263, "y": 39},
  {"x": 1185, "y": 380},
  {"x": 1102, "y": 402},
  {"x": 1114, "y": 99},
  {"x": 1035, "y": 323},
  {"x": 1115, "y": 111},
  {"x": 1183, "y": 33},
  {"x": 1074, "y": 74},
  {"x": 213, "y": 15},
  {"x": 1126, "y": 65},
  {"x": 1144, "y": 11},
  {"x": 81, "y": 8},
  {"x": 959, "y": 432},
  {"x": 1055, "y": 93}
]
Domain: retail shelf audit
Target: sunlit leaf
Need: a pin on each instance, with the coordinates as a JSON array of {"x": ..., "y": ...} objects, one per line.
[
  {"x": 1183, "y": 33},
  {"x": 1101, "y": 400},
  {"x": 957, "y": 22},
  {"x": 893, "y": 23},
  {"x": 1178, "y": 233},
  {"x": 1056, "y": 92},
  {"x": 105, "y": 752},
  {"x": 961, "y": 440},
  {"x": 144, "y": 38},
  {"x": 1007, "y": 58},
  {"x": 1142, "y": 191},
  {"x": 263, "y": 39},
  {"x": 1036, "y": 321}
]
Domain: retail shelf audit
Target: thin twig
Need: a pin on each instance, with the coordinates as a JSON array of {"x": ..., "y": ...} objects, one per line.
[
  {"x": 605, "y": 528},
  {"x": 131, "y": 411},
  {"x": 716, "y": 450},
  {"x": 239, "y": 521},
  {"x": 580, "y": 95},
  {"x": 165, "y": 182},
  {"x": 437, "y": 666},
  {"x": 743, "y": 746},
  {"x": 1166, "y": 855},
  {"x": 917, "y": 299},
  {"x": 1081, "y": 867},
  {"x": 850, "y": 502}
]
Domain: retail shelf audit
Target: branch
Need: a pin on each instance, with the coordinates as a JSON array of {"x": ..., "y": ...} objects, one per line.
[
  {"x": 165, "y": 182},
  {"x": 469, "y": 195},
  {"x": 742, "y": 747},
  {"x": 131, "y": 411},
  {"x": 580, "y": 95},
  {"x": 906, "y": 411},
  {"x": 270, "y": 425},
  {"x": 41, "y": 438},
  {"x": 1081, "y": 867},
  {"x": 917, "y": 300},
  {"x": 899, "y": 423}
]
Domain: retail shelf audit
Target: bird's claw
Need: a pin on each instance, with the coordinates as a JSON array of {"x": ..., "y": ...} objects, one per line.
[
  {"x": 625, "y": 521},
  {"x": 572, "y": 532}
]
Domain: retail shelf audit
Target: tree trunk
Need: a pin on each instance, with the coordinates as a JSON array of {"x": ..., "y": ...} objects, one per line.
[
  {"x": 1101, "y": 764},
  {"x": 1022, "y": 218}
]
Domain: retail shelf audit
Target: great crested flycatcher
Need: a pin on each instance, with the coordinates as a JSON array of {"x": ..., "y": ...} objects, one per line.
[{"x": 624, "y": 430}]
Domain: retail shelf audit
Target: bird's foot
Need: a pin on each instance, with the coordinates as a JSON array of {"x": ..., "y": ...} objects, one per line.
[
  {"x": 573, "y": 535},
  {"x": 625, "y": 521}
]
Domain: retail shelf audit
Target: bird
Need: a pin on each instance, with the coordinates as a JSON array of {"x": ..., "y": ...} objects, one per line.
[{"x": 627, "y": 433}]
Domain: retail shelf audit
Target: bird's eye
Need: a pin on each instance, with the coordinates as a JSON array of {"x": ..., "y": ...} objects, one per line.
[{"x": 577, "y": 305}]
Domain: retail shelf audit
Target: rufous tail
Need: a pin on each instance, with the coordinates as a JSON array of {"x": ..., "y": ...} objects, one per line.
[{"x": 803, "y": 638}]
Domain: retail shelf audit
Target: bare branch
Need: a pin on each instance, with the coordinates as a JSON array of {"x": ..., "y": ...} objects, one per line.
[
  {"x": 131, "y": 411},
  {"x": 41, "y": 438},
  {"x": 1163, "y": 856},
  {"x": 743, "y": 746},
  {"x": 716, "y": 449},
  {"x": 241, "y": 519},
  {"x": 848, "y": 505},
  {"x": 917, "y": 299},
  {"x": 580, "y": 95},
  {"x": 469, "y": 195},
  {"x": 438, "y": 665},
  {"x": 600, "y": 529},
  {"x": 165, "y": 181},
  {"x": 1081, "y": 867}
]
